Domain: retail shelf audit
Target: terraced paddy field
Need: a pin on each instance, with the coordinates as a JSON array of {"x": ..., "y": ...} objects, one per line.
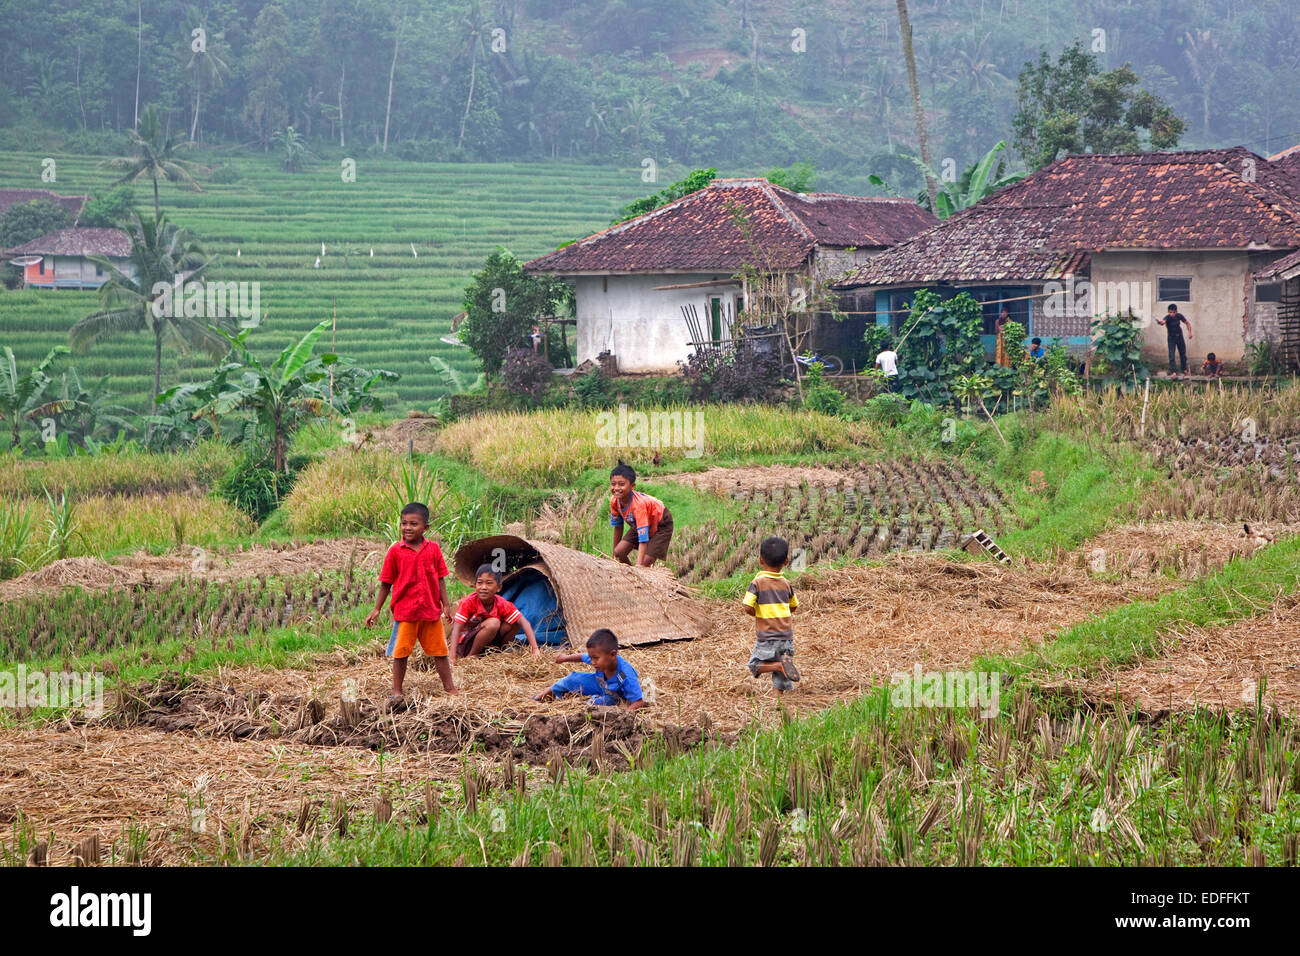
[{"x": 401, "y": 244}]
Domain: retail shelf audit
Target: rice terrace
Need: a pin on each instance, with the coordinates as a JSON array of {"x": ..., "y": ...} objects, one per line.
[{"x": 747, "y": 511}]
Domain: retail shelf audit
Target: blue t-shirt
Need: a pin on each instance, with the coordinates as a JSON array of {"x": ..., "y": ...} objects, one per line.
[{"x": 624, "y": 684}]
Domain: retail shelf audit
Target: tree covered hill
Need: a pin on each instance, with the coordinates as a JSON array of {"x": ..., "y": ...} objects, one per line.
[{"x": 727, "y": 83}]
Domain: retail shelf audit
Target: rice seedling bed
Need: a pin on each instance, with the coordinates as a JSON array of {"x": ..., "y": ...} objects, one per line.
[
  {"x": 76, "y": 623},
  {"x": 865, "y": 511},
  {"x": 1225, "y": 476}
]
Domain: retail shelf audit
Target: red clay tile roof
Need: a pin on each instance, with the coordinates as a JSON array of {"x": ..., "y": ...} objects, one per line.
[
  {"x": 10, "y": 197},
  {"x": 1288, "y": 161},
  {"x": 74, "y": 241},
  {"x": 699, "y": 232},
  {"x": 1030, "y": 230}
]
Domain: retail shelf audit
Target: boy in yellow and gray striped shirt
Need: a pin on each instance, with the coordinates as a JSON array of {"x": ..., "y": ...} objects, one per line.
[{"x": 770, "y": 598}]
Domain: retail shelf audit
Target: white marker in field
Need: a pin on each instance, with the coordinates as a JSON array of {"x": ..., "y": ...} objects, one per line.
[
  {"x": 413, "y": 252},
  {"x": 372, "y": 252},
  {"x": 322, "y": 248},
  {"x": 318, "y": 262}
]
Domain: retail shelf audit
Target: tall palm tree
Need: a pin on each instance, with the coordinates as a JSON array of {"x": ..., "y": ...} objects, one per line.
[
  {"x": 473, "y": 26},
  {"x": 153, "y": 154},
  {"x": 206, "y": 65},
  {"x": 130, "y": 299},
  {"x": 1204, "y": 56},
  {"x": 909, "y": 57}
]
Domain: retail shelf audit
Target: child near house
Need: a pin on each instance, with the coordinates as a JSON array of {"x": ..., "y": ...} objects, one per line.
[
  {"x": 613, "y": 682},
  {"x": 770, "y": 599},
  {"x": 414, "y": 573},
  {"x": 648, "y": 522},
  {"x": 485, "y": 619},
  {"x": 1211, "y": 366}
]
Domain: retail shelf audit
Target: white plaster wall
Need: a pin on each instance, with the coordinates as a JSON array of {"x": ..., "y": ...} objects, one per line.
[
  {"x": 643, "y": 327},
  {"x": 1221, "y": 305},
  {"x": 81, "y": 268}
]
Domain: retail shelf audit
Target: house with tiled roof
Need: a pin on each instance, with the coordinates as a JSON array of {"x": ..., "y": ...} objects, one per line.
[
  {"x": 634, "y": 280},
  {"x": 62, "y": 259},
  {"x": 11, "y": 197},
  {"x": 1092, "y": 234}
]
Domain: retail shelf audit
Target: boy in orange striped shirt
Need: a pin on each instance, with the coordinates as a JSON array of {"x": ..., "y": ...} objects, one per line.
[{"x": 648, "y": 521}]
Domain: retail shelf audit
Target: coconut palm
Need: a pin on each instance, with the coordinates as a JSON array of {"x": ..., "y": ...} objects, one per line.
[
  {"x": 909, "y": 59},
  {"x": 207, "y": 67},
  {"x": 133, "y": 300},
  {"x": 474, "y": 26},
  {"x": 153, "y": 154}
]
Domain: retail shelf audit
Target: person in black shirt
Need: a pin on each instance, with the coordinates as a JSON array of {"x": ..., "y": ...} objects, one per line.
[{"x": 1173, "y": 323}]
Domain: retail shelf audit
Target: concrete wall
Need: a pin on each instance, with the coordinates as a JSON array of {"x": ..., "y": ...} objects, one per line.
[
  {"x": 1221, "y": 308},
  {"x": 72, "y": 272},
  {"x": 642, "y": 326},
  {"x": 830, "y": 263}
]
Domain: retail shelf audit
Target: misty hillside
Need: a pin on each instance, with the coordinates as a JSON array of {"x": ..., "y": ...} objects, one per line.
[{"x": 737, "y": 84}]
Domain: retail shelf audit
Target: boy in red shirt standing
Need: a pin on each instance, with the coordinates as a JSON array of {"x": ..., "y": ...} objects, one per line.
[
  {"x": 485, "y": 619},
  {"x": 415, "y": 573}
]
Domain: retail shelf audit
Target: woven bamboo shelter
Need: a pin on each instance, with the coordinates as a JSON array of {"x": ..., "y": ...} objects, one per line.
[{"x": 640, "y": 605}]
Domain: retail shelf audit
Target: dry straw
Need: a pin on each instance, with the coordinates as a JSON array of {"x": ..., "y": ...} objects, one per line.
[{"x": 641, "y": 605}]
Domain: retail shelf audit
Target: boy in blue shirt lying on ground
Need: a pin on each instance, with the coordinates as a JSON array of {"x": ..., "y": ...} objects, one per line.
[{"x": 614, "y": 681}]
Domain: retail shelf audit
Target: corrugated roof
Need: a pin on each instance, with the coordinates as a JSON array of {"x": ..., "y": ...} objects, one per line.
[
  {"x": 701, "y": 231},
  {"x": 1030, "y": 230}
]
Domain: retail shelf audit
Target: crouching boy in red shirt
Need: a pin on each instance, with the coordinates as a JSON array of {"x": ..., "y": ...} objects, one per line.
[
  {"x": 415, "y": 573},
  {"x": 485, "y": 619}
]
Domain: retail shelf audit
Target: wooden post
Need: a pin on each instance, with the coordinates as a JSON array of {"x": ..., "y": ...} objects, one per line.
[{"x": 1142, "y": 424}]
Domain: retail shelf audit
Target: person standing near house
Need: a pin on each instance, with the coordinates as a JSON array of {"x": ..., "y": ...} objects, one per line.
[
  {"x": 1173, "y": 323},
  {"x": 887, "y": 362},
  {"x": 1000, "y": 354}
]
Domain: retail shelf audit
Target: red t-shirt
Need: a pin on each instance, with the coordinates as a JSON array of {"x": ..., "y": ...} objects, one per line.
[
  {"x": 471, "y": 613},
  {"x": 414, "y": 574}
]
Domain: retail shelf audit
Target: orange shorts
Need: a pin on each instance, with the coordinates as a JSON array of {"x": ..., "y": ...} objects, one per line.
[{"x": 429, "y": 633}]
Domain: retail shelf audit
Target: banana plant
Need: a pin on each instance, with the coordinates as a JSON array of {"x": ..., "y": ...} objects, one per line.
[
  {"x": 23, "y": 396},
  {"x": 980, "y": 180},
  {"x": 281, "y": 396}
]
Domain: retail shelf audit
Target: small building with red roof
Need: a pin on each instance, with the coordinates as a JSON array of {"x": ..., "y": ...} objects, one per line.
[
  {"x": 62, "y": 259},
  {"x": 635, "y": 282},
  {"x": 1091, "y": 234}
]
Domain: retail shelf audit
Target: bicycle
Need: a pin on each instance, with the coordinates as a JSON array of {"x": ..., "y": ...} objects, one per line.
[{"x": 831, "y": 363}]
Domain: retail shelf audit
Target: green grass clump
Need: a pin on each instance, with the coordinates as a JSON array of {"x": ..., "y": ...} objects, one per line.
[
  {"x": 115, "y": 473},
  {"x": 345, "y": 492},
  {"x": 104, "y": 526},
  {"x": 551, "y": 446}
]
